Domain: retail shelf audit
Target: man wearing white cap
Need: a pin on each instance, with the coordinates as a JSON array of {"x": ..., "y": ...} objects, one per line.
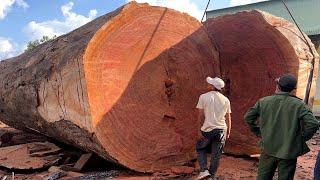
[{"x": 215, "y": 120}]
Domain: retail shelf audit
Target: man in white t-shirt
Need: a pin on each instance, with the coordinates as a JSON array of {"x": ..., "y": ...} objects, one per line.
[{"x": 215, "y": 120}]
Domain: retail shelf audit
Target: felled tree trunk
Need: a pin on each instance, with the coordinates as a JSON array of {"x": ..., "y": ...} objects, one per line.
[
  {"x": 254, "y": 49},
  {"x": 124, "y": 86}
]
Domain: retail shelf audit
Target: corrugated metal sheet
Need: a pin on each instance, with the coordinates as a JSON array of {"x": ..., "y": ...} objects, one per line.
[{"x": 306, "y": 12}]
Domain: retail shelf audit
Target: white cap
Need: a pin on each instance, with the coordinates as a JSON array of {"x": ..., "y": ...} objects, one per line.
[{"x": 216, "y": 82}]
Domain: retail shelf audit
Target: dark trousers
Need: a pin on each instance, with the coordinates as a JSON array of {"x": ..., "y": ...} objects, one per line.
[
  {"x": 317, "y": 168},
  {"x": 268, "y": 165},
  {"x": 213, "y": 142}
]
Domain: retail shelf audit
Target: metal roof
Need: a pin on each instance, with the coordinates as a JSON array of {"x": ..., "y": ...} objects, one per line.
[{"x": 306, "y": 12}]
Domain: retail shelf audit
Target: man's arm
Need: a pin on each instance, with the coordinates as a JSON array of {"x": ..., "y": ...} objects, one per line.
[
  {"x": 200, "y": 121},
  {"x": 200, "y": 107},
  {"x": 251, "y": 119},
  {"x": 310, "y": 123},
  {"x": 228, "y": 121}
]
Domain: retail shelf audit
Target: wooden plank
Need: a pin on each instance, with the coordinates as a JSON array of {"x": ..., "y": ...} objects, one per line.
[
  {"x": 82, "y": 161},
  {"x": 17, "y": 157}
]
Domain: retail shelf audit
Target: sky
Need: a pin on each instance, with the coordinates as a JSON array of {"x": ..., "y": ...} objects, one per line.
[{"x": 22, "y": 21}]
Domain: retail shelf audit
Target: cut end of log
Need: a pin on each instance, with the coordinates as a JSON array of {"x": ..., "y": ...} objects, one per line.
[
  {"x": 127, "y": 70},
  {"x": 255, "y": 48}
]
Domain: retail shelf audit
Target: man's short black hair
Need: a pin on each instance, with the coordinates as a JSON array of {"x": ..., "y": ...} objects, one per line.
[
  {"x": 215, "y": 89},
  {"x": 285, "y": 89}
]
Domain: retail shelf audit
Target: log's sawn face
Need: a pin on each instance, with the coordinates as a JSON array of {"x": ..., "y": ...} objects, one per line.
[
  {"x": 145, "y": 70},
  {"x": 254, "y": 49}
]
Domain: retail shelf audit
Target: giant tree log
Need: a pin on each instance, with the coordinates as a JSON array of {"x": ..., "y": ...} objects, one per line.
[
  {"x": 254, "y": 49},
  {"x": 125, "y": 85}
]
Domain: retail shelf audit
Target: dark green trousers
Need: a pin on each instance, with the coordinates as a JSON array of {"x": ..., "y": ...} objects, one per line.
[{"x": 269, "y": 164}]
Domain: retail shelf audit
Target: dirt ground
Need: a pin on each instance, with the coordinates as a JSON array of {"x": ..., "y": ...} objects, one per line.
[
  {"x": 239, "y": 168},
  {"x": 231, "y": 168}
]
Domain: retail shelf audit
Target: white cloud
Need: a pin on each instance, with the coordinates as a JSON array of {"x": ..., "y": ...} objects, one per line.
[
  {"x": 186, "y": 6},
  {"x": 93, "y": 13},
  {"x": 242, "y": 2},
  {"x": 72, "y": 20},
  {"x": 22, "y": 3},
  {"x": 5, "y": 6},
  {"x": 5, "y": 45},
  {"x": 8, "y": 48}
]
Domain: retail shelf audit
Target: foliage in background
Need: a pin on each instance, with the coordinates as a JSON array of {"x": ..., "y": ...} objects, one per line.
[{"x": 32, "y": 44}]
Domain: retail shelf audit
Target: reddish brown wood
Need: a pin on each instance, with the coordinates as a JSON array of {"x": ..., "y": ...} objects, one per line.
[
  {"x": 143, "y": 85},
  {"x": 18, "y": 157},
  {"x": 124, "y": 86},
  {"x": 254, "y": 49},
  {"x": 82, "y": 161}
]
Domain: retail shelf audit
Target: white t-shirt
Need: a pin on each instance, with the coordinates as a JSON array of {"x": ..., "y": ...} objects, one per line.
[{"x": 215, "y": 106}]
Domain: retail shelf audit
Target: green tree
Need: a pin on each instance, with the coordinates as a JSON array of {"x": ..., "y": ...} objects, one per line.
[{"x": 32, "y": 44}]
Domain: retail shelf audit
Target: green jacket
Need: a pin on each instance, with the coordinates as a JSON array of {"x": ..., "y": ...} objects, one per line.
[{"x": 280, "y": 119}]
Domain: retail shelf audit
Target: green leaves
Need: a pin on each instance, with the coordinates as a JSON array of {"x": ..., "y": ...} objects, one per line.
[{"x": 32, "y": 44}]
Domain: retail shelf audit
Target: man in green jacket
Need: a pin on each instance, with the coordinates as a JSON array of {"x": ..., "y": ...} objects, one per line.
[{"x": 285, "y": 124}]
